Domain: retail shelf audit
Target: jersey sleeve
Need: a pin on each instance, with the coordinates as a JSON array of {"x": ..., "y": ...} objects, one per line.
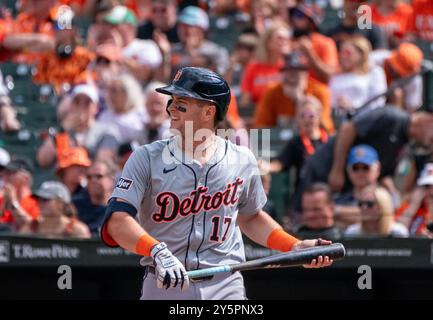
[
  {"x": 134, "y": 180},
  {"x": 253, "y": 197}
]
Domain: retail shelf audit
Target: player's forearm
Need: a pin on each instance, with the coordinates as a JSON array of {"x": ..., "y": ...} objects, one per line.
[
  {"x": 126, "y": 231},
  {"x": 345, "y": 139},
  {"x": 258, "y": 227}
]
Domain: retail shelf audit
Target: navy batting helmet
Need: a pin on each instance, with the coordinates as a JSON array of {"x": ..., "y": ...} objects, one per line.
[{"x": 201, "y": 84}]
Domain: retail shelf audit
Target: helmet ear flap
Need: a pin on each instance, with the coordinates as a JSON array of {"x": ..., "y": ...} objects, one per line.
[{"x": 168, "y": 105}]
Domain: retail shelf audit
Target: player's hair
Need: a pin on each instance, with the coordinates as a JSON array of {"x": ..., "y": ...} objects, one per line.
[{"x": 319, "y": 187}]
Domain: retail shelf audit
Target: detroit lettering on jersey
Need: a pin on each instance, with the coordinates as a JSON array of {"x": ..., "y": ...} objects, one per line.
[{"x": 170, "y": 206}]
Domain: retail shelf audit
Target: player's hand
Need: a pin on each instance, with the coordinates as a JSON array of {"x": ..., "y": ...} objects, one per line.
[
  {"x": 321, "y": 261},
  {"x": 169, "y": 271}
]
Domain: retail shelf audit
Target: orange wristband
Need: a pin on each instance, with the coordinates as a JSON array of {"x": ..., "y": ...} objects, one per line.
[
  {"x": 281, "y": 240},
  {"x": 145, "y": 244}
]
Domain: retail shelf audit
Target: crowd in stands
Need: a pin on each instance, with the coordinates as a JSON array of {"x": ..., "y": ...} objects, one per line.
[{"x": 351, "y": 91}]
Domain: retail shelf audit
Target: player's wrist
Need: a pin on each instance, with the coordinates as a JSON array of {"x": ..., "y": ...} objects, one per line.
[
  {"x": 280, "y": 240},
  {"x": 145, "y": 245}
]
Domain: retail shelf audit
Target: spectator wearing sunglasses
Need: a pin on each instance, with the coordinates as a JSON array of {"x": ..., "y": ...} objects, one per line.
[
  {"x": 377, "y": 216},
  {"x": 416, "y": 212},
  {"x": 363, "y": 170},
  {"x": 91, "y": 203}
]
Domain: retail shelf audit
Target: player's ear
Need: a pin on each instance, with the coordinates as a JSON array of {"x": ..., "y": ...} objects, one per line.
[{"x": 209, "y": 112}]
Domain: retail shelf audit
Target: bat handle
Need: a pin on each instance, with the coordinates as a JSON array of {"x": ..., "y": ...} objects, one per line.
[{"x": 208, "y": 272}]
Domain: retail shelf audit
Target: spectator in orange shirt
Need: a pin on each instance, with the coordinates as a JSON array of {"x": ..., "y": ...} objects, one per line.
[
  {"x": 264, "y": 70},
  {"x": 66, "y": 65},
  {"x": 394, "y": 17},
  {"x": 278, "y": 104},
  {"x": 17, "y": 204},
  {"x": 32, "y": 31},
  {"x": 417, "y": 211},
  {"x": 320, "y": 51},
  {"x": 421, "y": 24}
]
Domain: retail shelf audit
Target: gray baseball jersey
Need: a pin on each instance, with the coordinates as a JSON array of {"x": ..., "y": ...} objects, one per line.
[{"x": 193, "y": 208}]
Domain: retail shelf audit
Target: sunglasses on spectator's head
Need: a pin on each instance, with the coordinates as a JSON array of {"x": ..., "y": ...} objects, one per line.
[
  {"x": 360, "y": 167},
  {"x": 366, "y": 203}
]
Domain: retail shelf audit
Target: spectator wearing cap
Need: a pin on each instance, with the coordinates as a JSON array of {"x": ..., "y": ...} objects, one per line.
[
  {"x": 357, "y": 82},
  {"x": 394, "y": 17},
  {"x": 387, "y": 130},
  {"x": 139, "y": 57},
  {"x": 363, "y": 170},
  {"x": 163, "y": 17},
  {"x": 416, "y": 212},
  {"x": 58, "y": 214},
  {"x": 72, "y": 164},
  {"x": 405, "y": 62},
  {"x": 66, "y": 65},
  {"x": 377, "y": 216},
  {"x": 318, "y": 214},
  {"x": 80, "y": 128},
  {"x": 92, "y": 202},
  {"x": 347, "y": 27},
  {"x": 320, "y": 51},
  {"x": 277, "y": 107},
  {"x": 193, "y": 22},
  {"x": 125, "y": 108},
  {"x": 264, "y": 69},
  {"x": 8, "y": 115},
  {"x": 18, "y": 206}
]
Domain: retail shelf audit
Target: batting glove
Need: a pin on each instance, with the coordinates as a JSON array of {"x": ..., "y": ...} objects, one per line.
[{"x": 169, "y": 270}]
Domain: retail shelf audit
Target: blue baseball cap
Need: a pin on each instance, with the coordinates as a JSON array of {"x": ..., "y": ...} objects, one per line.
[
  {"x": 362, "y": 154},
  {"x": 194, "y": 16}
]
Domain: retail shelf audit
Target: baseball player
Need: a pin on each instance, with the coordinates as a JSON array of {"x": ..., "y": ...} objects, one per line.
[{"x": 182, "y": 204}]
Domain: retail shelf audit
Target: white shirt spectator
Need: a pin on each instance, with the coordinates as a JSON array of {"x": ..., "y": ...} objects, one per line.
[
  {"x": 359, "y": 88},
  {"x": 413, "y": 90}
]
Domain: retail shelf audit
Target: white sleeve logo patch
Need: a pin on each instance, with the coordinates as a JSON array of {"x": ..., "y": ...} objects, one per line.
[{"x": 124, "y": 184}]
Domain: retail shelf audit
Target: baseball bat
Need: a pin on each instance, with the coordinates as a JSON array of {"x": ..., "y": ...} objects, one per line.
[{"x": 300, "y": 257}]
